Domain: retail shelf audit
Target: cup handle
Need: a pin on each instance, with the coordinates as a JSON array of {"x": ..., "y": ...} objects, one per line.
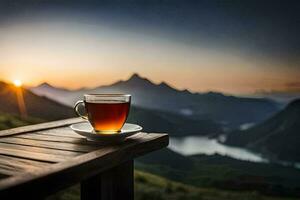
[{"x": 77, "y": 104}]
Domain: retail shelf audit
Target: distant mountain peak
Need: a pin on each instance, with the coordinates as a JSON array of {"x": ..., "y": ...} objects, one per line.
[
  {"x": 44, "y": 84},
  {"x": 136, "y": 79},
  {"x": 165, "y": 85},
  {"x": 135, "y": 76},
  {"x": 186, "y": 91}
]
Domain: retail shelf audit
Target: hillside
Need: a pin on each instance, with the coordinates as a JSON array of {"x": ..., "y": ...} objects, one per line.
[
  {"x": 11, "y": 121},
  {"x": 278, "y": 137},
  {"x": 153, "y": 121},
  {"x": 36, "y": 106},
  {"x": 152, "y": 187},
  {"x": 194, "y": 177},
  {"x": 50, "y": 92},
  {"x": 222, "y": 172},
  {"x": 229, "y": 110},
  {"x": 174, "y": 124}
]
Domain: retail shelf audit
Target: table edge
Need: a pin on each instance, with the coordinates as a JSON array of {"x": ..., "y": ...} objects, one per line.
[
  {"x": 40, "y": 126},
  {"x": 80, "y": 164}
]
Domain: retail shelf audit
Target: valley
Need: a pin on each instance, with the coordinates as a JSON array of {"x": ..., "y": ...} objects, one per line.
[
  {"x": 223, "y": 170},
  {"x": 224, "y": 109}
]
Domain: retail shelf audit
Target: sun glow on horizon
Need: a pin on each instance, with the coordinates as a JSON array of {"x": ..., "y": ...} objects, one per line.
[
  {"x": 17, "y": 83},
  {"x": 97, "y": 55}
]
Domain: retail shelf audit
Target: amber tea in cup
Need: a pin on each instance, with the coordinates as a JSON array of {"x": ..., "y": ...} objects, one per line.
[{"x": 107, "y": 113}]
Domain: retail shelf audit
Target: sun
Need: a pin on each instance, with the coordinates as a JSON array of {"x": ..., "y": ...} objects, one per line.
[{"x": 17, "y": 83}]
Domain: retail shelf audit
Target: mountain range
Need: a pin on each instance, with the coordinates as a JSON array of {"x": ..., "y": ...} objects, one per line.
[
  {"x": 283, "y": 97},
  {"x": 198, "y": 170},
  {"x": 277, "y": 137},
  {"x": 223, "y": 109},
  {"x": 41, "y": 108},
  {"x": 36, "y": 106},
  {"x": 174, "y": 124}
]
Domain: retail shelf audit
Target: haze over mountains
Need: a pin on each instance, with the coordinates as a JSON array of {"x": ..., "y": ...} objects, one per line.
[
  {"x": 174, "y": 124},
  {"x": 155, "y": 113},
  {"x": 198, "y": 170},
  {"x": 284, "y": 97},
  {"x": 227, "y": 110},
  {"x": 278, "y": 137},
  {"x": 41, "y": 108}
]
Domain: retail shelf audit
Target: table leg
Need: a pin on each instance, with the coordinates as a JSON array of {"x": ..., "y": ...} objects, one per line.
[{"x": 112, "y": 184}]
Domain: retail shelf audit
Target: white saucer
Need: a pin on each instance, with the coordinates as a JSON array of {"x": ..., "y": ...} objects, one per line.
[{"x": 85, "y": 129}]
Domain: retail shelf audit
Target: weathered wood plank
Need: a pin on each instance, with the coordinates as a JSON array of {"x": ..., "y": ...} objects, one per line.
[
  {"x": 9, "y": 170},
  {"x": 41, "y": 126},
  {"x": 5, "y": 173},
  {"x": 112, "y": 184},
  {"x": 34, "y": 155},
  {"x": 28, "y": 149},
  {"x": 81, "y": 167},
  {"x": 51, "y": 138},
  {"x": 63, "y": 132},
  {"x": 72, "y": 140},
  {"x": 14, "y": 165},
  {"x": 21, "y": 161},
  {"x": 48, "y": 144}
]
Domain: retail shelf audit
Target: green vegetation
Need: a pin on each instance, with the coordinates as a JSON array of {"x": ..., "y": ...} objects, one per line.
[
  {"x": 195, "y": 177},
  {"x": 222, "y": 172},
  {"x": 11, "y": 121},
  {"x": 152, "y": 187},
  {"x": 177, "y": 176},
  {"x": 36, "y": 106}
]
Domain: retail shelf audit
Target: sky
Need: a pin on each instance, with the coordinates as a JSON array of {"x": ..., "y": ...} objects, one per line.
[{"x": 231, "y": 46}]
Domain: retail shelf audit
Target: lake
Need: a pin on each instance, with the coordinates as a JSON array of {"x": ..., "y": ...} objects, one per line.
[{"x": 192, "y": 145}]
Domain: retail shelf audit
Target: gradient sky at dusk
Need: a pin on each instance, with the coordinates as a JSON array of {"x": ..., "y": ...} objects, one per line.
[{"x": 229, "y": 46}]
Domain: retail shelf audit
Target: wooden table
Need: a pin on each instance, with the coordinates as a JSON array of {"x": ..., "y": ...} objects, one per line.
[{"x": 38, "y": 160}]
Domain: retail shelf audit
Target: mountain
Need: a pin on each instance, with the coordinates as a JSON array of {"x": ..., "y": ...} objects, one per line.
[
  {"x": 280, "y": 96},
  {"x": 11, "y": 121},
  {"x": 278, "y": 137},
  {"x": 228, "y": 110},
  {"x": 36, "y": 106},
  {"x": 148, "y": 186},
  {"x": 174, "y": 124},
  {"x": 223, "y": 172},
  {"x": 43, "y": 108},
  {"x": 51, "y": 92}
]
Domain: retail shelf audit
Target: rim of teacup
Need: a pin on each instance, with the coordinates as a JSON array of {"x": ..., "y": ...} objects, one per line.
[{"x": 108, "y": 95}]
